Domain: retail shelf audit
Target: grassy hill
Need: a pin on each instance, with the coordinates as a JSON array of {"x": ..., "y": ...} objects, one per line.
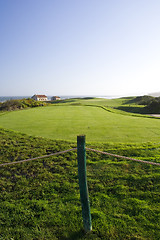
[
  {"x": 40, "y": 199},
  {"x": 94, "y": 117}
]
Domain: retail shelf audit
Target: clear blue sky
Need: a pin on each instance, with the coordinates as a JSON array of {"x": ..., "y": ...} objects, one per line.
[{"x": 79, "y": 47}]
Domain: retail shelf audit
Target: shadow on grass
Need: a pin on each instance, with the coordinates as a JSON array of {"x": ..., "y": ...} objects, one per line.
[
  {"x": 132, "y": 109},
  {"x": 62, "y": 101},
  {"x": 132, "y": 100},
  {"x": 86, "y": 98},
  {"x": 75, "y": 235},
  {"x": 81, "y": 234},
  {"x": 70, "y": 100}
]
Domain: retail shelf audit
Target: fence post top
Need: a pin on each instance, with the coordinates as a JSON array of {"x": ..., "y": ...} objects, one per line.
[
  {"x": 81, "y": 139},
  {"x": 81, "y": 136}
]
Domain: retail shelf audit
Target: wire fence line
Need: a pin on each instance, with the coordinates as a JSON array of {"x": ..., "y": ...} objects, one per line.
[{"x": 74, "y": 149}]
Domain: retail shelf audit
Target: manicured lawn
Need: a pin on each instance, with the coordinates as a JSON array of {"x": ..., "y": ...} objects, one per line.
[{"x": 65, "y": 122}]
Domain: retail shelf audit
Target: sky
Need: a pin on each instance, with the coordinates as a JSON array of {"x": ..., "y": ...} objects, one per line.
[{"x": 79, "y": 47}]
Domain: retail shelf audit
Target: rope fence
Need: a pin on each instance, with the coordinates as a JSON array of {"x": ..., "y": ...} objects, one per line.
[
  {"x": 81, "y": 159},
  {"x": 74, "y": 149},
  {"x": 32, "y": 159},
  {"x": 118, "y": 156}
]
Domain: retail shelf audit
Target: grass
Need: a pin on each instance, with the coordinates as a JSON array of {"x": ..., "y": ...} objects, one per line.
[
  {"x": 40, "y": 199},
  {"x": 112, "y": 103},
  {"x": 100, "y": 124}
]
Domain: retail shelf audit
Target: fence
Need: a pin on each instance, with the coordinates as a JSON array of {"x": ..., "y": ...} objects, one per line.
[{"x": 81, "y": 158}]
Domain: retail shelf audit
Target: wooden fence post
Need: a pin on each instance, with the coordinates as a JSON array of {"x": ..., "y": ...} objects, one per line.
[{"x": 81, "y": 157}]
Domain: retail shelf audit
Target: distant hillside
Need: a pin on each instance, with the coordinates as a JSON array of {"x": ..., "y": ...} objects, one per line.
[
  {"x": 140, "y": 100},
  {"x": 152, "y": 103},
  {"x": 141, "y": 104}
]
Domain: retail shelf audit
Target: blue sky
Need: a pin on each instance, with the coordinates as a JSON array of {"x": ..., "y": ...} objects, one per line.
[{"x": 79, "y": 47}]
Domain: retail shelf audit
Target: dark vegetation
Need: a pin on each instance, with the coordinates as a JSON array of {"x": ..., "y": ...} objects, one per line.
[
  {"x": 40, "y": 200},
  {"x": 141, "y": 100},
  {"x": 154, "y": 106},
  {"x": 151, "y": 105},
  {"x": 11, "y": 105}
]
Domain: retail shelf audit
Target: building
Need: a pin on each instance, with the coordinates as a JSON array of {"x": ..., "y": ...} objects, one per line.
[
  {"x": 55, "y": 98},
  {"x": 40, "y": 97}
]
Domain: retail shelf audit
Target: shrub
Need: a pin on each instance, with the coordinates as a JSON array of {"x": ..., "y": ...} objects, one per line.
[
  {"x": 11, "y": 105},
  {"x": 154, "y": 106},
  {"x": 144, "y": 100}
]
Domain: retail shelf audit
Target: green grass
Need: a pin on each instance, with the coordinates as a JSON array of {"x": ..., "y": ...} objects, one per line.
[
  {"x": 65, "y": 122},
  {"x": 40, "y": 200},
  {"x": 116, "y": 102}
]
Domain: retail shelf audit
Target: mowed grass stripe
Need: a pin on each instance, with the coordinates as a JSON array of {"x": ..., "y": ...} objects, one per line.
[{"x": 66, "y": 122}]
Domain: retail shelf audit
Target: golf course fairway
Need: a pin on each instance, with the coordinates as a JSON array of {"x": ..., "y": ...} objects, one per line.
[{"x": 66, "y": 122}]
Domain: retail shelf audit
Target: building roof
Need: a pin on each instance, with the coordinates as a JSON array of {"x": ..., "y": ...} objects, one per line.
[{"x": 41, "y": 96}]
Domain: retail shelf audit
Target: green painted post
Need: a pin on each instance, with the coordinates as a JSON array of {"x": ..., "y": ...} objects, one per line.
[{"x": 81, "y": 156}]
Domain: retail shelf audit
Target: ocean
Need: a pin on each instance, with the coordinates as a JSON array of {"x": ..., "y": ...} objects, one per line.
[{"x": 5, "y": 98}]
